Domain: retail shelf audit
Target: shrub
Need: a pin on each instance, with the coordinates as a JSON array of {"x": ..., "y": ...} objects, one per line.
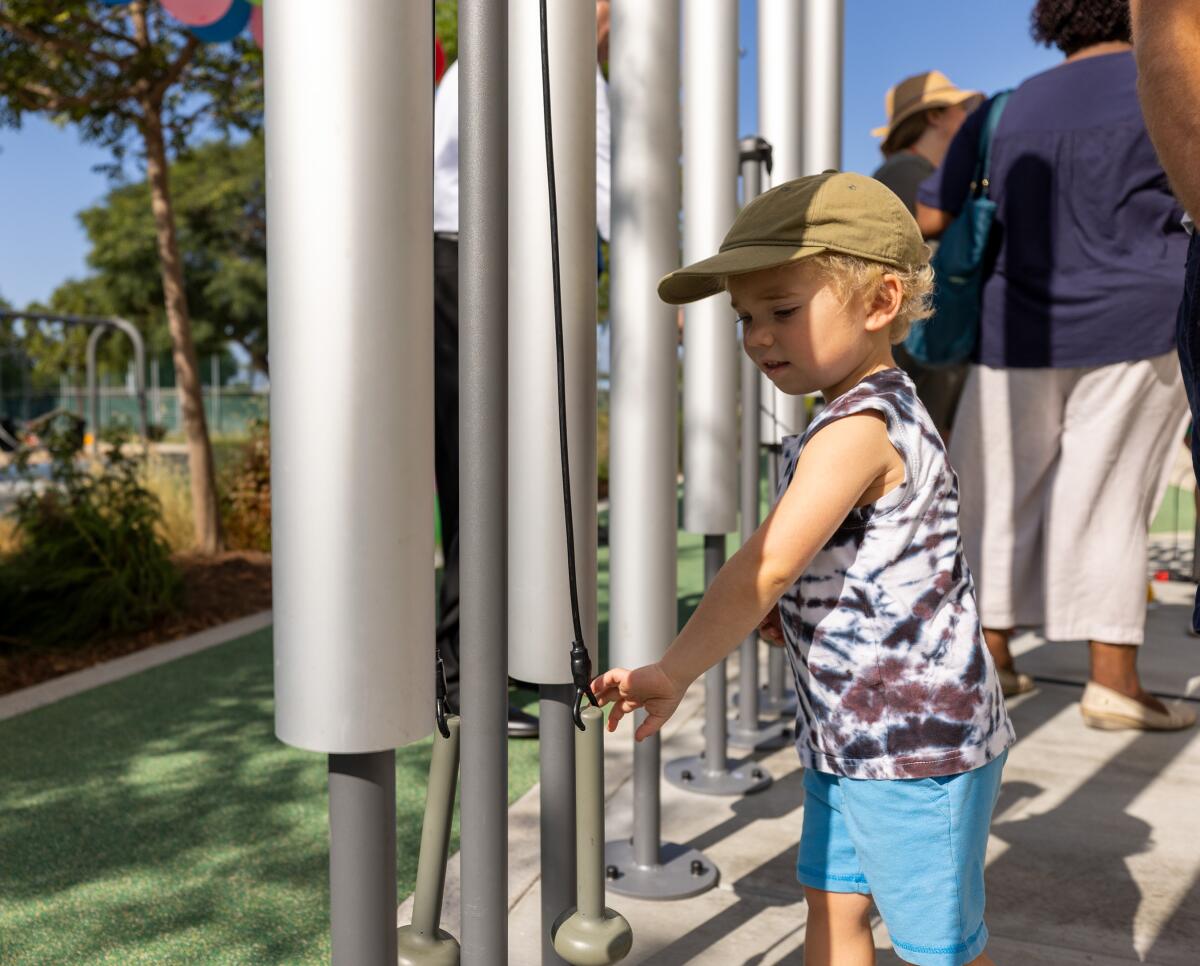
[
  {"x": 246, "y": 493},
  {"x": 89, "y": 558}
]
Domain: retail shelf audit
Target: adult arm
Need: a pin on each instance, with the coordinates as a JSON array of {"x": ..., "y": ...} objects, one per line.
[
  {"x": 1166, "y": 35},
  {"x": 942, "y": 195},
  {"x": 932, "y": 221}
]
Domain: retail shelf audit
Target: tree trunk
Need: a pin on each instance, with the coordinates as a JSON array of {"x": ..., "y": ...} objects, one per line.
[{"x": 205, "y": 512}]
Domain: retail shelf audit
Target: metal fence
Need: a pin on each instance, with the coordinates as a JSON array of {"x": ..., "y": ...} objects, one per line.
[{"x": 230, "y": 410}]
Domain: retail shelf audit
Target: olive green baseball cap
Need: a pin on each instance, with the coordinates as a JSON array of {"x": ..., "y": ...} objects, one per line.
[{"x": 849, "y": 214}]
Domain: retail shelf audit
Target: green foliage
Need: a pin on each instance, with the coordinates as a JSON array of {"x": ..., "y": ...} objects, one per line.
[
  {"x": 90, "y": 560},
  {"x": 246, "y": 494},
  {"x": 219, "y": 196},
  {"x": 445, "y": 25},
  {"x": 115, "y": 71}
]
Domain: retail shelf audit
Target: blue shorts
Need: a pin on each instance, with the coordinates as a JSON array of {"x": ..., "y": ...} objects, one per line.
[{"x": 916, "y": 846}]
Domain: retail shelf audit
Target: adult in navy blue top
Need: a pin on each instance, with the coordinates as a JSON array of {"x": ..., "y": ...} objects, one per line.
[
  {"x": 1090, "y": 246},
  {"x": 1074, "y": 404}
]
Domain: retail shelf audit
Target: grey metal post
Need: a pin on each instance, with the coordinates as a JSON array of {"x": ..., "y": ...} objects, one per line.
[
  {"x": 822, "y": 88},
  {"x": 780, "y": 106},
  {"x": 779, "y": 698},
  {"x": 155, "y": 391},
  {"x": 93, "y": 388},
  {"x": 748, "y": 731},
  {"x": 362, "y": 858},
  {"x": 591, "y": 933},
  {"x": 350, "y": 275},
  {"x": 644, "y": 57},
  {"x": 710, "y": 347},
  {"x": 556, "y": 731},
  {"x": 540, "y": 626},
  {"x": 711, "y": 773},
  {"x": 483, "y": 474},
  {"x": 214, "y": 391}
]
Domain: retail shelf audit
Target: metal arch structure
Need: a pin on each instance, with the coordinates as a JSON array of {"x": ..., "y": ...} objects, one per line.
[{"x": 99, "y": 325}]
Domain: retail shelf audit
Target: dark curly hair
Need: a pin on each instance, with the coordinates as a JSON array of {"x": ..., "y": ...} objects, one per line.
[{"x": 1071, "y": 25}]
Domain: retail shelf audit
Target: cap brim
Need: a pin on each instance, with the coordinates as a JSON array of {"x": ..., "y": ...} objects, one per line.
[{"x": 704, "y": 278}]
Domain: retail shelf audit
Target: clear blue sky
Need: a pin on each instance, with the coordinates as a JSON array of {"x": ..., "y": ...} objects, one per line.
[{"x": 46, "y": 176}]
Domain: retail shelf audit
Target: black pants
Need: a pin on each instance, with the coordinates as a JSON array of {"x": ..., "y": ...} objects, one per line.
[
  {"x": 445, "y": 446},
  {"x": 1187, "y": 339}
]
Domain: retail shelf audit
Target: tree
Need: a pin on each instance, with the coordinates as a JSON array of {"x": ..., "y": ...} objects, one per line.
[
  {"x": 219, "y": 192},
  {"x": 135, "y": 81}
]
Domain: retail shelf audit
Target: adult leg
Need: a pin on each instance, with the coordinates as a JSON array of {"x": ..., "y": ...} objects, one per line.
[
  {"x": 838, "y": 932},
  {"x": 1004, "y": 449},
  {"x": 445, "y": 448},
  {"x": 1121, "y": 424},
  {"x": 1187, "y": 340}
]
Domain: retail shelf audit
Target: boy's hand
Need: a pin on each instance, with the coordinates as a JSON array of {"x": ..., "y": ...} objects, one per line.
[
  {"x": 646, "y": 687},
  {"x": 771, "y": 628}
]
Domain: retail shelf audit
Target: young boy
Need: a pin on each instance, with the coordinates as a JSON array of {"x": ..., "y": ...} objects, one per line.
[{"x": 859, "y": 571}]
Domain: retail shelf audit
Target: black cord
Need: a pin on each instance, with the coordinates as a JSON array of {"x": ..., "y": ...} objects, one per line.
[{"x": 581, "y": 664}]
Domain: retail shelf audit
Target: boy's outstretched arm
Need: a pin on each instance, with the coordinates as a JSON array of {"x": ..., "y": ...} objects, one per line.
[{"x": 836, "y": 468}]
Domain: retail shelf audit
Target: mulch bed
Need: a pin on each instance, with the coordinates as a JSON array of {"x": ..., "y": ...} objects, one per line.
[{"x": 216, "y": 590}]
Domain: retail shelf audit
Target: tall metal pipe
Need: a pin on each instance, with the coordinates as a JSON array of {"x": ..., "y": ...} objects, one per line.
[
  {"x": 711, "y": 772},
  {"x": 362, "y": 858},
  {"x": 748, "y": 731},
  {"x": 349, "y": 185},
  {"x": 824, "y": 29},
  {"x": 710, "y": 359},
  {"x": 780, "y": 79},
  {"x": 483, "y": 473},
  {"x": 710, "y": 367},
  {"x": 644, "y": 61},
  {"x": 540, "y": 628}
]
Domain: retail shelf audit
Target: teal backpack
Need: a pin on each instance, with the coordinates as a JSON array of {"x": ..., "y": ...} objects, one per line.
[{"x": 950, "y": 335}]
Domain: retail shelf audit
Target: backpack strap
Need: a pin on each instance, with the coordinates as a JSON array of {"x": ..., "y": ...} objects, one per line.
[{"x": 983, "y": 164}]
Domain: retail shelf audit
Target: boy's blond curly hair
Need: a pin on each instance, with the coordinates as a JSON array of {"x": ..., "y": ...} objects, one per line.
[{"x": 855, "y": 278}]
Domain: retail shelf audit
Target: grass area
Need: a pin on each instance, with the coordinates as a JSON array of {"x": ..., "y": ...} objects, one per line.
[{"x": 157, "y": 820}]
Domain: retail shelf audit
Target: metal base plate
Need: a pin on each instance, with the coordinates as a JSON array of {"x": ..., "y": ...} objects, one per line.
[
  {"x": 680, "y": 874},
  {"x": 768, "y": 734},
  {"x": 739, "y": 778}
]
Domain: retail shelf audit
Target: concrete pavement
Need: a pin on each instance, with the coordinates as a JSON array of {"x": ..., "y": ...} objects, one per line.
[{"x": 1094, "y": 856}]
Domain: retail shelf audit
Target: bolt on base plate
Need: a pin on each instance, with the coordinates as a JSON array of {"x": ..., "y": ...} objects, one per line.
[{"x": 680, "y": 874}]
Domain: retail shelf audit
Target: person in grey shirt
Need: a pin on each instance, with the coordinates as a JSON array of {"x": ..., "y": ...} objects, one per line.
[{"x": 924, "y": 111}]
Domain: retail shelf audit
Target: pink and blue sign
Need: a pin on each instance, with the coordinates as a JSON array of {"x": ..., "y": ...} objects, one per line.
[{"x": 213, "y": 21}]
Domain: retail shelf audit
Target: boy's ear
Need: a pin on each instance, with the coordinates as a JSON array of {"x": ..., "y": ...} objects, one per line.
[{"x": 885, "y": 304}]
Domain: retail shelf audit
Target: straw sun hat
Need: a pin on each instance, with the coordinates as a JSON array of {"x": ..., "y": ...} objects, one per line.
[{"x": 920, "y": 93}]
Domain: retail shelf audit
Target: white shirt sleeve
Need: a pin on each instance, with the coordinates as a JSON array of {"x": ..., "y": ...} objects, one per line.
[
  {"x": 445, "y": 152},
  {"x": 603, "y": 156}
]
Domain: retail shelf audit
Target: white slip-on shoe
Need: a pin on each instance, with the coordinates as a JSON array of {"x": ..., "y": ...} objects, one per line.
[{"x": 1110, "y": 710}]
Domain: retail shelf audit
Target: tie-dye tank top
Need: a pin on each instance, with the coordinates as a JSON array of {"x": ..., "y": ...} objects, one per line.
[{"x": 892, "y": 675}]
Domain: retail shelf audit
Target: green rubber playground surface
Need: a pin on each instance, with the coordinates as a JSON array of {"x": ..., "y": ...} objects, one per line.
[{"x": 157, "y": 820}]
